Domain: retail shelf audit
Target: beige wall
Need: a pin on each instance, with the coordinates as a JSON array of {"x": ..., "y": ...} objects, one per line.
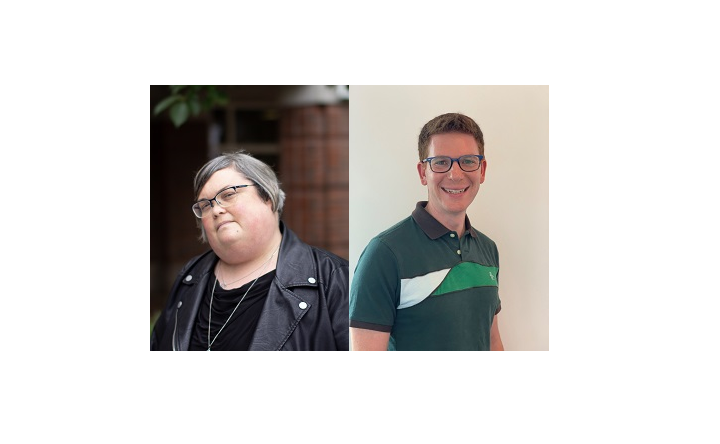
[{"x": 511, "y": 208}]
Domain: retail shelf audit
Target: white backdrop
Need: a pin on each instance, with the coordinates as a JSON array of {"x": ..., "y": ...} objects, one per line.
[
  {"x": 511, "y": 207},
  {"x": 635, "y": 155}
]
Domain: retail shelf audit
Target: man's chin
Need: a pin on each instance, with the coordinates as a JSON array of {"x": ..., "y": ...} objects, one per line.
[{"x": 452, "y": 208}]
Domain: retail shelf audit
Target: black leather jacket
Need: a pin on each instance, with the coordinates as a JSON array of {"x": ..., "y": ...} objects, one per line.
[{"x": 306, "y": 306}]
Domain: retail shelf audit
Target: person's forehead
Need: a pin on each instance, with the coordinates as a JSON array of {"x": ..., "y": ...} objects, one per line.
[
  {"x": 453, "y": 143},
  {"x": 224, "y": 178}
]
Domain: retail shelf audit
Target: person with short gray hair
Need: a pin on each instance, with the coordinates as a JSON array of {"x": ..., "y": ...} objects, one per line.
[
  {"x": 259, "y": 287},
  {"x": 268, "y": 186}
]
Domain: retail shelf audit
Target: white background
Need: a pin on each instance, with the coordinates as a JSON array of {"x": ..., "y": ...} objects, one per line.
[{"x": 633, "y": 190}]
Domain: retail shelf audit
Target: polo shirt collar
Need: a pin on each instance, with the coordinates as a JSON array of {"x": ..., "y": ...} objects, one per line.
[{"x": 431, "y": 226}]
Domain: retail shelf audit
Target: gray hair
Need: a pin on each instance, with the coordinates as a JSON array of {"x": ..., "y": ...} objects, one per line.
[{"x": 268, "y": 186}]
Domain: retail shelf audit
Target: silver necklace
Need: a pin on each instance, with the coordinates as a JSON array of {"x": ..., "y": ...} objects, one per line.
[
  {"x": 212, "y": 294},
  {"x": 225, "y": 284}
]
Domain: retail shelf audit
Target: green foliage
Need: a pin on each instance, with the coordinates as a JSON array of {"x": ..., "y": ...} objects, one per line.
[
  {"x": 153, "y": 319},
  {"x": 185, "y": 101}
]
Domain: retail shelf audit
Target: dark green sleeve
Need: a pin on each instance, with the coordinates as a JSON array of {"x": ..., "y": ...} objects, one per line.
[{"x": 375, "y": 289}]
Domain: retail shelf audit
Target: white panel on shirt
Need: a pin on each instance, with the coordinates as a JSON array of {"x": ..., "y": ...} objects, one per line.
[{"x": 417, "y": 289}]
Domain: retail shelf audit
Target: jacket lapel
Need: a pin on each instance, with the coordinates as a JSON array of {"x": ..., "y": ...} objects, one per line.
[
  {"x": 288, "y": 299},
  {"x": 191, "y": 295}
]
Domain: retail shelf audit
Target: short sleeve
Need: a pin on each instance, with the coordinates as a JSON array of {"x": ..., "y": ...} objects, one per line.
[{"x": 375, "y": 289}]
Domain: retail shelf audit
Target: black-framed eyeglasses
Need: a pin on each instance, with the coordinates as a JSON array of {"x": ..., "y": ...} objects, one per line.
[
  {"x": 443, "y": 164},
  {"x": 224, "y": 198}
]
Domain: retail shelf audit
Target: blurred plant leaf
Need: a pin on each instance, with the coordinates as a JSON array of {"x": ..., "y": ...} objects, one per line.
[
  {"x": 194, "y": 104},
  {"x": 179, "y": 113},
  {"x": 165, "y": 103},
  {"x": 153, "y": 319},
  {"x": 185, "y": 101}
]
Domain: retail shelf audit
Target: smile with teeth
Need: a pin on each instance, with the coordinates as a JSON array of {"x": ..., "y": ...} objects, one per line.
[{"x": 447, "y": 190}]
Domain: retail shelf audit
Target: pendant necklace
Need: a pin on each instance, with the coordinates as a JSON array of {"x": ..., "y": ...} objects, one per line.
[{"x": 212, "y": 294}]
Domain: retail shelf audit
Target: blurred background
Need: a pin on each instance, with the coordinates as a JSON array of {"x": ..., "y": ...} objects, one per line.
[{"x": 300, "y": 131}]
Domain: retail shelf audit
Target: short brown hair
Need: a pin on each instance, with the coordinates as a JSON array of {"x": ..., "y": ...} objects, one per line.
[{"x": 449, "y": 123}]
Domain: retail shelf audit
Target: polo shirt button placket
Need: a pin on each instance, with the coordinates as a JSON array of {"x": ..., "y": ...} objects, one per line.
[
  {"x": 459, "y": 243},
  {"x": 465, "y": 245}
]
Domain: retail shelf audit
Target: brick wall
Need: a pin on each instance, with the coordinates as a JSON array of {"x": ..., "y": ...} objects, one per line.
[{"x": 314, "y": 174}]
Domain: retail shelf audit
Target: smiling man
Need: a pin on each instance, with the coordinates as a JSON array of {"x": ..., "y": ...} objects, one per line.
[{"x": 430, "y": 282}]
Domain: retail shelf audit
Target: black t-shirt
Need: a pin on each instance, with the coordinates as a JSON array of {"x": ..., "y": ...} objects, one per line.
[{"x": 239, "y": 330}]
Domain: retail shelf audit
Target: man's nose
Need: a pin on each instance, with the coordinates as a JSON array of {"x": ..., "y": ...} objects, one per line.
[{"x": 455, "y": 170}]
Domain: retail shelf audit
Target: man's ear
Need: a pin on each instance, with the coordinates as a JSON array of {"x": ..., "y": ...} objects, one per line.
[{"x": 421, "y": 172}]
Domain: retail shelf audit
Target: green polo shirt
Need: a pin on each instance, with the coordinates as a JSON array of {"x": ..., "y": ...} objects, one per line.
[{"x": 426, "y": 286}]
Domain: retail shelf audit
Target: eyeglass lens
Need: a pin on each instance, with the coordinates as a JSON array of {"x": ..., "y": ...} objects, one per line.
[
  {"x": 441, "y": 164},
  {"x": 223, "y": 198}
]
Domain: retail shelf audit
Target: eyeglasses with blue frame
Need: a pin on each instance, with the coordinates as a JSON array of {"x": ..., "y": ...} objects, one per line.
[{"x": 443, "y": 164}]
